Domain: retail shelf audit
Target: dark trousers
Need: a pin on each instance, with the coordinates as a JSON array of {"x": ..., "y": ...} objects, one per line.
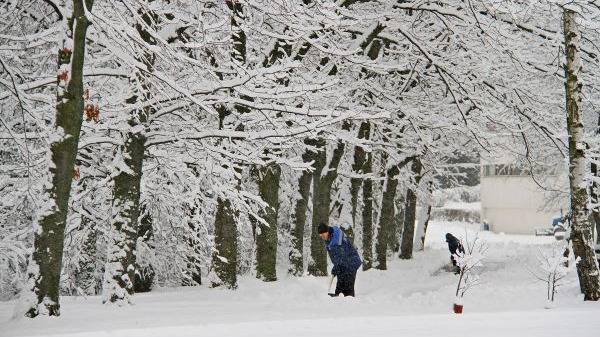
[
  {"x": 345, "y": 284},
  {"x": 453, "y": 260}
]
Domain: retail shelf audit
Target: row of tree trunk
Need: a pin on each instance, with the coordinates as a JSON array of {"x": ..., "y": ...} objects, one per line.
[
  {"x": 131, "y": 224},
  {"x": 123, "y": 275}
]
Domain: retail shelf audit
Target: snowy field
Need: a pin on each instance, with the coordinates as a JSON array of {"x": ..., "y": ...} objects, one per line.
[{"x": 412, "y": 298}]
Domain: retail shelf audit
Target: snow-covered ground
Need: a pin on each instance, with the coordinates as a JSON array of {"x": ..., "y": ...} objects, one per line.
[{"x": 412, "y": 298}]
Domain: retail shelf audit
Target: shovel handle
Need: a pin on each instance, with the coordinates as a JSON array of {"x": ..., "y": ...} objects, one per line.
[{"x": 330, "y": 283}]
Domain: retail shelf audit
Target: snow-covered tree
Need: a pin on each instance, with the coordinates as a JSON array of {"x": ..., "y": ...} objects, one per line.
[
  {"x": 582, "y": 227},
  {"x": 45, "y": 264}
]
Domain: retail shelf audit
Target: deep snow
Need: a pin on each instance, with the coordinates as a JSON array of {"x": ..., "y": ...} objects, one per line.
[{"x": 412, "y": 298}]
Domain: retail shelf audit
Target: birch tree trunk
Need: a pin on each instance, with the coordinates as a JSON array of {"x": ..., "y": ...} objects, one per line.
[
  {"x": 45, "y": 263},
  {"x": 581, "y": 233},
  {"x": 595, "y": 190}
]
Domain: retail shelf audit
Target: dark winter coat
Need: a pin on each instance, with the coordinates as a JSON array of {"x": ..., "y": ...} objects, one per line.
[
  {"x": 344, "y": 256},
  {"x": 453, "y": 244}
]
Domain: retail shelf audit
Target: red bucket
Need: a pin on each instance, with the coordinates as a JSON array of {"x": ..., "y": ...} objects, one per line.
[{"x": 458, "y": 308}]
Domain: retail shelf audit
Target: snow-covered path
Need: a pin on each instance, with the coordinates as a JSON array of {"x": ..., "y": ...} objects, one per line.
[
  {"x": 531, "y": 324},
  {"x": 410, "y": 299}
]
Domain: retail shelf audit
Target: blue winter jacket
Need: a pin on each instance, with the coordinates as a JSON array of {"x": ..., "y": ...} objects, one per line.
[{"x": 344, "y": 256}]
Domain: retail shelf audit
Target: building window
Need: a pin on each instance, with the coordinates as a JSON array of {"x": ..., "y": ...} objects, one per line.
[{"x": 492, "y": 170}]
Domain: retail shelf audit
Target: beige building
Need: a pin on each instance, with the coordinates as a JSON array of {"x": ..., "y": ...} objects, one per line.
[{"x": 512, "y": 203}]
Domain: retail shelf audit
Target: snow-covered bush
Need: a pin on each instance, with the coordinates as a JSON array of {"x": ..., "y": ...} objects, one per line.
[
  {"x": 553, "y": 267},
  {"x": 467, "y": 262},
  {"x": 13, "y": 260}
]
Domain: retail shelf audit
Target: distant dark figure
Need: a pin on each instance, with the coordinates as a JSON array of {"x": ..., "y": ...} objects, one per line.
[
  {"x": 454, "y": 246},
  {"x": 344, "y": 256},
  {"x": 486, "y": 226}
]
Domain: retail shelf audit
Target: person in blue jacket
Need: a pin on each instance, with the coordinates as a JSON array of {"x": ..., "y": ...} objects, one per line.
[{"x": 344, "y": 256}]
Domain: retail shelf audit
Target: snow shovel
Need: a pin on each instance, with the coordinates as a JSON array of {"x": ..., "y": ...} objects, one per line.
[{"x": 329, "y": 288}]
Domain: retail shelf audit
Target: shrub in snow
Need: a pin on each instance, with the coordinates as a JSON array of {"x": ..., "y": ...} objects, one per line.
[
  {"x": 467, "y": 262},
  {"x": 552, "y": 268},
  {"x": 13, "y": 261}
]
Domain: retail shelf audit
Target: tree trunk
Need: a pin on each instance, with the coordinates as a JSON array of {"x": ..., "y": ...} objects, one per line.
[
  {"x": 119, "y": 274},
  {"x": 322, "y": 184},
  {"x": 423, "y": 220},
  {"x": 581, "y": 233},
  {"x": 266, "y": 239},
  {"x": 408, "y": 233},
  {"x": 317, "y": 264},
  {"x": 85, "y": 279},
  {"x": 361, "y": 166},
  {"x": 357, "y": 168},
  {"x": 144, "y": 273},
  {"x": 224, "y": 258},
  {"x": 425, "y": 225},
  {"x": 595, "y": 190},
  {"x": 46, "y": 260},
  {"x": 399, "y": 206},
  {"x": 367, "y": 215},
  {"x": 299, "y": 218},
  {"x": 123, "y": 274},
  {"x": 386, "y": 217},
  {"x": 193, "y": 274}
]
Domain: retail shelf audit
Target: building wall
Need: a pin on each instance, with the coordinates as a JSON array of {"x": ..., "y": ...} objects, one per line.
[{"x": 515, "y": 204}]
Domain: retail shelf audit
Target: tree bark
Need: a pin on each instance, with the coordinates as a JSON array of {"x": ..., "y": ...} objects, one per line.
[
  {"x": 266, "y": 239},
  {"x": 317, "y": 264},
  {"x": 322, "y": 184},
  {"x": 144, "y": 273},
  {"x": 120, "y": 267},
  {"x": 581, "y": 233},
  {"x": 46, "y": 260},
  {"x": 408, "y": 233},
  {"x": 85, "y": 279},
  {"x": 595, "y": 190},
  {"x": 423, "y": 220},
  {"x": 193, "y": 274},
  {"x": 357, "y": 168},
  {"x": 123, "y": 275},
  {"x": 299, "y": 218},
  {"x": 363, "y": 165},
  {"x": 386, "y": 217},
  {"x": 367, "y": 214},
  {"x": 224, "y": 258},
  {"x": 396, "y": 236}
]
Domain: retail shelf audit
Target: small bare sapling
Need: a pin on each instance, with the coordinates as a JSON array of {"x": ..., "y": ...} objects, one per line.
[
  {"x": 467, "y": 263},
  {"x": 553, "y": 267}
]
